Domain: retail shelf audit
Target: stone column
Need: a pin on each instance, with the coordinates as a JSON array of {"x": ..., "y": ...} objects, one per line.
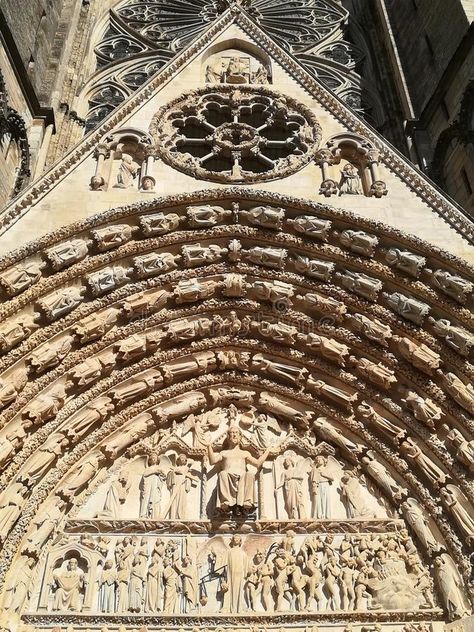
[
  {"x": 324, "y": 158},
  {"x": 148, "y": 180},
  {"x": 378, "y": 188},
  {"x": 97, "y": 180}
]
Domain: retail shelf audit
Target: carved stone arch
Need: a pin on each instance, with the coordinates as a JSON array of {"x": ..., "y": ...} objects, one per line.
[{"x": 125, "y": 329}]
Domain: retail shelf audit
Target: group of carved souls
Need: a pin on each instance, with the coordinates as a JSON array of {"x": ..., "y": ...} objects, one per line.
[{"x": 254, "y": 573}]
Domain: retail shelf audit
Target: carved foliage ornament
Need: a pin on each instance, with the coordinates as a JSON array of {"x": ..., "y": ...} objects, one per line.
[{"x": 236, "y": 135}]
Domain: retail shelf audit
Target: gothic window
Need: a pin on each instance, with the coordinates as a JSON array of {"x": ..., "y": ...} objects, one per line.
[
  {"x": 311, "y": 30},
  {"x": 101, "y": 104},
  {"x": 236, "y": 135}
]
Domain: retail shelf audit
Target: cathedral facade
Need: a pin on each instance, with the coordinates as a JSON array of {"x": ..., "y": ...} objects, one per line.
[{"x": 236, "y": 332}]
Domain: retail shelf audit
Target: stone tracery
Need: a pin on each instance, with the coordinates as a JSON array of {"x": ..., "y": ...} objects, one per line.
[{"x": 251, "y": 337}]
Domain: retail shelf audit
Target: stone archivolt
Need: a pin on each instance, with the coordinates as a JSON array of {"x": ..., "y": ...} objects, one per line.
[{"x": 282, "y": 335}]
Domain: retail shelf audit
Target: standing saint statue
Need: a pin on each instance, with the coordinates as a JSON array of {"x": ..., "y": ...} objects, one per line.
[
  {"x": 291, "y": 480},
  {"x": 235, "y": 484},
  {"x": 237, "y": 568},
  {"x": 179, "y": 480},
  {"x": 319, "y": 480},
  {"x": 127, "y": 172},
  {"x": 150, "y": 486},
  {"x": 69, "y": 585},
  {"x": 350, "y": 181}
]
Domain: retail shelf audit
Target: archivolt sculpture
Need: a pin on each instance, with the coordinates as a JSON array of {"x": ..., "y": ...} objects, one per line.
[{"x": 352, "y": 407}]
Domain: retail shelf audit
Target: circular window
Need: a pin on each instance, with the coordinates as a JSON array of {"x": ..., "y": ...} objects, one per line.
[{"x": 230, "y": 134}]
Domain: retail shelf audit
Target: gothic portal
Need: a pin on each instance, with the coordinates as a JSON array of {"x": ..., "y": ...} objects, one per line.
[{"x": 236, "y": 346}]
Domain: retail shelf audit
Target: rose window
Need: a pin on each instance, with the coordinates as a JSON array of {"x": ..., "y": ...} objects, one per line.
[{"x": 236, "y": 135}]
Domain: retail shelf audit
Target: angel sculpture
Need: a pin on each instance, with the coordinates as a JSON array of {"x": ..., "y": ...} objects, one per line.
[
  {"x": 179, "y": 481},
  {"x": 290, "y": 471},
  {"x": 201, "y": 426},
  {"x": 262, "y": 430}
]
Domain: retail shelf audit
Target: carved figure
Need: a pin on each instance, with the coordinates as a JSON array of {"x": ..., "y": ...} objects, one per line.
[
  {"x": 360, "y": 284},
  {"x": 13, "y": 439},
  {"x": 321, "y": 270},
  {"x": 323, "y": 427},
  {"x": 142, "y": 304},
  {"x": 311, "y": 226},
  {"x": 407, "y": 307},
  {"x": 268, "y": 256},
  {"x": 11, "y": 502},
  {"x": 380, "y": 475},
  {"x": 464, "y": 449},
  {"x": 235, "y": 484},
  {"x": 129, "y": 434},
  {"x": 197, "y": 255},
  {"x": 320, "y": 479},
  {"x": 192, "y": 290},
  {"x": 50, "y": 354},
  {"x": 276, "y": 292},
  {"x": 80, "y": 477},
  {"x": 159, "y": 223},
  {"x": 170, "y": 587},
  {"x": 93, "y": 412},
  {"x": 338, "y": 396},
  {"x": 46, "y": 406},
  {"x": 14, "y": 331},
  {"x": 278, "y": 331},
  {"x": 350, "y": 183},
  {"x": 38, "y": 464},
  {"x": 155, "y": 263},
  {"x": 405, "y": 261},
  {"x": 371, "y": 328},
  {"x": 96, "y": 325},
  {"x": 112, "y": 236},
  {"x": 108, "y": 279},
  {"x": 18, "y": 588},
  {"x": 45, "y": 524},
  {"x": 412, "y": 451},
  {"x": 107, "y": 587},
  {"x": 294, "y": 374},
  {"x": 265, "y": 216},
  {"x": 67, "y": 253},
  {"x": 151, "y": 487},
  {"x": 378, "y": 374},
  {"x": 417, "y": 520},
  {"x": 462, "y": 393},
  {"x": 91, "y": 370},
  {"x": 324, "y": 304},
  {"x": 353, "y": 497},
  {"x": 206, "y": 215},
  {"x": 450, "y": 586},
  {"x": 11, "y": 386},
  {"x": 135, "y": 586},
  {"x": 237, "y": 566},
  {"x": 386, "y": 426},
  {"x": 452, "y": 285},
  {"x": 260, "y": 75},
  {"x": 127, "y": 172},
  {"x": 424, "y": 410},
  {"x": 69, "y": 585},
  {"x": 456, "y": 502},
  {"x": 419, "y": 355},
  {"x": 194, "y": 364},
  {"x": 457, "y": 338},
  {"x": 140, "y": 385},
  {"x": 116, "y": 496},
  {"x": 359, "y": 242},
  {"x": 21, "y": 276},
  {"x": 179, "y": 481},
  {"x": 290, "y": 479},
  {"x": 328, "y": 348},
  {"x": 62, "y": 302}
]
